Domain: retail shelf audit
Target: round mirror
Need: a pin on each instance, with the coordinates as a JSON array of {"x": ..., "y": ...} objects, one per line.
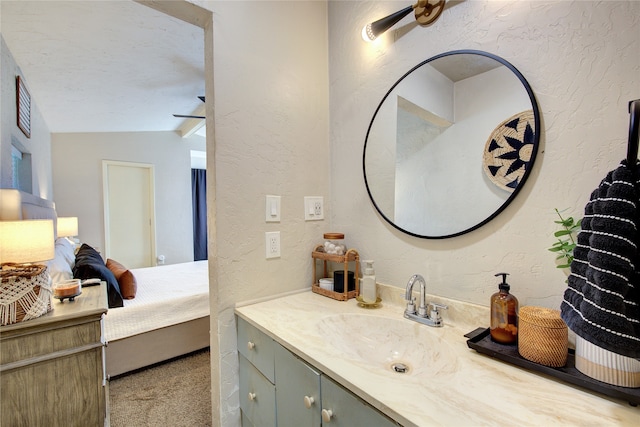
[{"x": 451, "y": 144}]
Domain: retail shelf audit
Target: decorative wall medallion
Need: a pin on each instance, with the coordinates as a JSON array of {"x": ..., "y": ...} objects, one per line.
[
  {"x": 508, "y": 150},
  {"x": 23, "y": 106}
]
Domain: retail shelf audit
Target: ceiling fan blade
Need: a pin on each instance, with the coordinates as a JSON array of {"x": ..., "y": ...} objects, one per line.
[{"x": 188, "y": 116}]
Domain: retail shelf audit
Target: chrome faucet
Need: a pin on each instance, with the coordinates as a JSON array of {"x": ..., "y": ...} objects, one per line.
[{"x": 430, "y": 317}]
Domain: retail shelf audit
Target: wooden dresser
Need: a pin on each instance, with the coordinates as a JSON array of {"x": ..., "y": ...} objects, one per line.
[{"x": 52, "y": 367}]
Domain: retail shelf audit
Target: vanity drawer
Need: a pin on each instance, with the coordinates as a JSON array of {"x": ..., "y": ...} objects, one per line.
[
  {"x": 257, "y": 395},
  {"x": 257, "y": 347}
]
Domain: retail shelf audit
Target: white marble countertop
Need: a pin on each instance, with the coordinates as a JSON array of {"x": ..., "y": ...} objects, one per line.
[{"x": 456, "y": 386}]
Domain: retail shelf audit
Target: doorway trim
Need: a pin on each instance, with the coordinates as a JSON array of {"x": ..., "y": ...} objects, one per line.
[{"x": 203, "y": 17}]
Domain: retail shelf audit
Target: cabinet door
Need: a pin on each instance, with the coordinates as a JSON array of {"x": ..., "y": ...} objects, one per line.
[
  {"x": 297, "y": 391},
  {"x": 257, "y": 395},
  {"x": 346, "y": 410},
  {"x": 245, "y": 421}
]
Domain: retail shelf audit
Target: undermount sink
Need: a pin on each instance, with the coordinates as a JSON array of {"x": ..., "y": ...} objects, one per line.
[{"x": 394, "y": 345}]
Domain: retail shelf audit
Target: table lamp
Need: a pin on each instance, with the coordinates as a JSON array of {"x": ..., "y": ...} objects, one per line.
[
  {"x": 67, "y": 227},
  {"x": 25, "y": 286}
]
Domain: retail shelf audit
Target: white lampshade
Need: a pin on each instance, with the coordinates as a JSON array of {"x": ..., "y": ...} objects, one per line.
[
  {"x": 67, "y": 226},
  {"x": 26, "y": 241}
]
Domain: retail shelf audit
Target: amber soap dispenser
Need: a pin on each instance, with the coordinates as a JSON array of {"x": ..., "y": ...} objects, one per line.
[{"x": 504, "y": 314}]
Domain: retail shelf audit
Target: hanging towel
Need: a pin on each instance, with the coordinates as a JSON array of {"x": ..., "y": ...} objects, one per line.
[{"x": 602, "y": 302}]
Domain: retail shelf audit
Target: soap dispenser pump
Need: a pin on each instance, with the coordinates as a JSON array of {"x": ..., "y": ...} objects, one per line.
[
  {"x": 368, "y": 290},
  {"x": 504, "y": 314}
]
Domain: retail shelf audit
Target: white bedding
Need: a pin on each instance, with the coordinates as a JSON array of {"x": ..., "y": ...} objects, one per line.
[{"x": 166, "y": 295}]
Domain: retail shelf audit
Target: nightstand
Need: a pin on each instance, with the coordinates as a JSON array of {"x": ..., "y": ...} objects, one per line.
[{"x": 52, "y": 368}]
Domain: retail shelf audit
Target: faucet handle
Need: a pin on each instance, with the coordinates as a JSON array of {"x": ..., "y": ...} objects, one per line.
[
  {"x": 435, "y": 310},
  {"x": 411, "y": 306}
]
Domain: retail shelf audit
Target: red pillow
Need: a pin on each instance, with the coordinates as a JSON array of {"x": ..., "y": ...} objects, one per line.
[{"x": 125, "y": 278}]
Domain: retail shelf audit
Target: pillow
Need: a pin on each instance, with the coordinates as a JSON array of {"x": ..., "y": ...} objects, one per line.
[
  {"x": 60, "y": 267},
  {"x": 89, "y": 265},
  {"x": 125, "y": 278},
  {"x": 66, "y": 249}
]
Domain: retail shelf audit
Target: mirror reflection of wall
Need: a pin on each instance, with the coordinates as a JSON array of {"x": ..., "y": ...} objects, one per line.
[
  {"x": 419, "y": 146},
  {"x": 424, "y": 150}
]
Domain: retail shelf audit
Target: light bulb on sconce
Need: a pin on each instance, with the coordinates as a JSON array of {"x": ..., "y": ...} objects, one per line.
[{"x": 425, "y": 12}]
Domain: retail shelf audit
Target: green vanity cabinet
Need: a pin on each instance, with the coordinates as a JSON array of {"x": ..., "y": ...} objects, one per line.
[
  {"x": 297, "y": 391},
  {"x": 277, "y": 388}
]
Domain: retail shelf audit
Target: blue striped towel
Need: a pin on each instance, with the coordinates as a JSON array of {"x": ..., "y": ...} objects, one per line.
[{"x": 602, "y": 302}]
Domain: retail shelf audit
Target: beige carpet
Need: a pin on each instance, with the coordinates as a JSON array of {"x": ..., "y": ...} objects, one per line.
[{"x": 176, "y": 393}]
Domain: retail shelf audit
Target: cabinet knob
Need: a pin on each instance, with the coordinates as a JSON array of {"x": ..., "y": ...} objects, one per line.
[
  {"x": 327, "y": 414},
  {"x": 251, "y": 345},
  {"x": 252, "y": 396},
  {"x": 308, "y": 401}
]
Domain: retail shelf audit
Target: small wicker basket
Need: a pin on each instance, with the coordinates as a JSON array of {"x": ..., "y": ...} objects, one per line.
[
  {"x": 25, "y": 292},
  {"x": 543, "y": 336}
]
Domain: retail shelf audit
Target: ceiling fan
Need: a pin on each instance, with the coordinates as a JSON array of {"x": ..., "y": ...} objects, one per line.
[{"x": 188, "y": 116}]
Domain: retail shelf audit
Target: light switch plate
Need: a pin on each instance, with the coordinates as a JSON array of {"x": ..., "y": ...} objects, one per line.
[
  {"x": 313, "y": 208},
  {"x": 272, "y": 209}
]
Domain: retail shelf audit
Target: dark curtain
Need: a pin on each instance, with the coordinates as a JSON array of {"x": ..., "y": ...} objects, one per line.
[{"x": 199, "y": 201}]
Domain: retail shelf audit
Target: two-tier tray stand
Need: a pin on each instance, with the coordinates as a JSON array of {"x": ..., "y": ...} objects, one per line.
[{"x": 350, "y": 256}]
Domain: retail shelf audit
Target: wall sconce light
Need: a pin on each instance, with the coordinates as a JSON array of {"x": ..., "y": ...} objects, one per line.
[{"x": 425, "y": 12}]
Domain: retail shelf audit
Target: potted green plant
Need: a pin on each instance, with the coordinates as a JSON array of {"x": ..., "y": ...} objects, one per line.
[{"x": 565, "y": 243}]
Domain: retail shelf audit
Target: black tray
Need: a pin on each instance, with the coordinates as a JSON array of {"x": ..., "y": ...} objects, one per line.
[{"x": 480, "y": 340}]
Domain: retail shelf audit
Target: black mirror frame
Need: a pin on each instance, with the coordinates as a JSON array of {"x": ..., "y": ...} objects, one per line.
[{"x": 536, "y": 141}]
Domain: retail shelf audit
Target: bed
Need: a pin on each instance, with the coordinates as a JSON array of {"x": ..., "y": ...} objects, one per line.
[{"x": 168, "y": 317}]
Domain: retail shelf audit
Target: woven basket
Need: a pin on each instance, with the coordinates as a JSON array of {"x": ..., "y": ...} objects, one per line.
[
  {"x": 25, "y": 292},
  {"x": 508, "y": 150},
  {"x": 543, "y": 336}
]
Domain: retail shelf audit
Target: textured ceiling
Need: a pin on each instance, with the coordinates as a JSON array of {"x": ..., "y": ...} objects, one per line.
[
  {"x": 460, "y": 67},
  {"x": 105, "y": 66}
]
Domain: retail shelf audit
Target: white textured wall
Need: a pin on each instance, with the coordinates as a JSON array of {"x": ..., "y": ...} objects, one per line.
[
  {"x": 77, "y": 183},
  {"x": 39, "y": 145},
  {"x": 582, "y": 60},
  {"x": 271, "y": 137}
]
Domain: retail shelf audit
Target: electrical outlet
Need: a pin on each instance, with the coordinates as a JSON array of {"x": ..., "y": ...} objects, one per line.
[
  {"x": 313, "y": 208},
  {"x": 272, "y": 244}
]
